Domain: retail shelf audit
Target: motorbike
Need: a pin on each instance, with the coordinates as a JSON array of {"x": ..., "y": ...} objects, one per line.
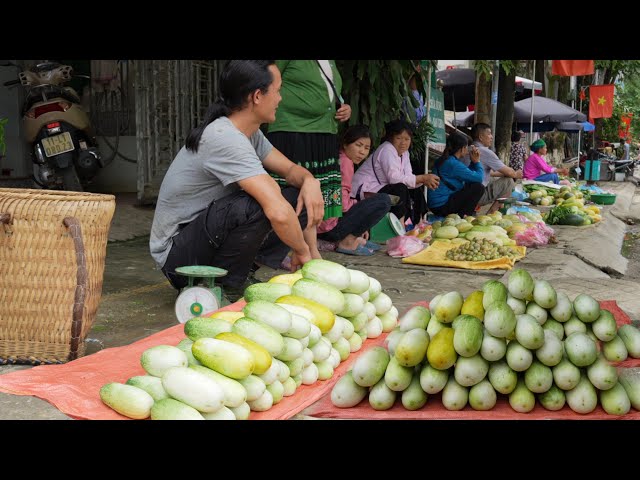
[
  {"x": 617, "y": 166},
  {"x": 64, "y": 149}
]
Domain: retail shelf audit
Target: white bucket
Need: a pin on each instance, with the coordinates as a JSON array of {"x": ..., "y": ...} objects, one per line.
[{"x": 620, "y": 176}]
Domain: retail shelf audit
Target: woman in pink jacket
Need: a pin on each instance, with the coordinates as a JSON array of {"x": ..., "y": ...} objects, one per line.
[
  {"x": 350, "y": 232},
  {"x": 536, "y": 167},
  {"x": 388, "y": 170}
]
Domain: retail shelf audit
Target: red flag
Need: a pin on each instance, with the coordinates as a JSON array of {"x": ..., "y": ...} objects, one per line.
[
  {"x": 571, "y": 68},
  {"x": 625, "y": 124},
  {"x": 600, "y": 101},
  {"x": 583, "y": 96}
]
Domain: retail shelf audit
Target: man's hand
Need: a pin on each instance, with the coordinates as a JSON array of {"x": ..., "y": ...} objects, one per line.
[
  {"x": 474, "y": 154},
  {"x": 311, "y": 198},
  {"x": 298, "y": 260},
  {"x": 518, "y": 174},
  {"x": 343, "y": 113}
]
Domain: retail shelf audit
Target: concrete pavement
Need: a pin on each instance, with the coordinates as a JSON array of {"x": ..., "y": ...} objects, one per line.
[{"x": 137, "y": 300}]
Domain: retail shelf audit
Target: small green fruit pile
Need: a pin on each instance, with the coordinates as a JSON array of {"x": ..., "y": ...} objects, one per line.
[{"x": 478, "y": 250}]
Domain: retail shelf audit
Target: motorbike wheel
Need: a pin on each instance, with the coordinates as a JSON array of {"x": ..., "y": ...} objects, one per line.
[{"x": 70, "y": 180}]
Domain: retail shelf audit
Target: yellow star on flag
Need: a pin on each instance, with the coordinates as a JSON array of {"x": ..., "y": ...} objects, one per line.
[{"x": 602, "y": 100}]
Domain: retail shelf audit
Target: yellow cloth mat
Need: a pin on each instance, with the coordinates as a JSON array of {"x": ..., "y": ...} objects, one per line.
[{"x": 434, "y": 255}]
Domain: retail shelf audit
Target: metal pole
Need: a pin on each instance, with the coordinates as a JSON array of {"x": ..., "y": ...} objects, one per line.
[
  {"x": 533, "y": 96},
  {"x": 428, "y": 107},
  {"x": 494, "y": 101},
  {"x": 579, "y": 136}
]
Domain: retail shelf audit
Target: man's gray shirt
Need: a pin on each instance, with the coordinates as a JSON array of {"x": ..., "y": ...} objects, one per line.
[
  {"x": 225, "y": 156},
  {"x": 489, "y": 161}
]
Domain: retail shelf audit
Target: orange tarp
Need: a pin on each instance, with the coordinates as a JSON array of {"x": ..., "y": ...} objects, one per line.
[
  {"x": 74, "y": 387},
  {"x": 434, "y": 410}
]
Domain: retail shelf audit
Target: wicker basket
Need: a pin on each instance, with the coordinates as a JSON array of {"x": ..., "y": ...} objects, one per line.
[{"x": 52, "y": 252}]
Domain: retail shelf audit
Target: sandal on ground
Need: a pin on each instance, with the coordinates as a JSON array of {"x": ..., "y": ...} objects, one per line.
[
  {"x": 372, "y": 246},
  {"x": 359, "y": 250},
  {"x": 326, "y": 246}
]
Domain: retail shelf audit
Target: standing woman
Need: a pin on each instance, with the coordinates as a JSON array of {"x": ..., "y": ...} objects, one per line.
[
  {"x": 518, "y": 153},
  {"x": 388, "y": 170},
  {"x": 460, "y": 186},
  {"x": 306, "y": 123}
]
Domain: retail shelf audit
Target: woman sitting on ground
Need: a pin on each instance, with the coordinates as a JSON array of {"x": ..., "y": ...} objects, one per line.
[
  {"x": 351, "y": 231},
  {"x": 460, "y": 186},
  {"x": 388, "y": 170},
  {"x": 536, "y": 167}
]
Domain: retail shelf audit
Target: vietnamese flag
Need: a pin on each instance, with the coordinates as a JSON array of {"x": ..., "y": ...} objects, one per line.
[
  {"x": 600, "y": 101},
  {"x": 625, "y": 125},
  {"x": 572, "y": 68},
  {"x": 583, "y": 96}
]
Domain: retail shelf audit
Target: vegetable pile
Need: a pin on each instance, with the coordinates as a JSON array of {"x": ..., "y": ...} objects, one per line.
[
  {"x": 294, "y": 330},
  {"x": 478, "y": 250},
  {"x": 524, "y": 340}
]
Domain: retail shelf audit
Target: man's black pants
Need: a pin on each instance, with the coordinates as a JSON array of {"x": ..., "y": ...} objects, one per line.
[{"x": 231, "y": 233}]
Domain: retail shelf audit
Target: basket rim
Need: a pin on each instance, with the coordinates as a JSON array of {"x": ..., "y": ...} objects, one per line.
[{"x": 42, "y": 194}]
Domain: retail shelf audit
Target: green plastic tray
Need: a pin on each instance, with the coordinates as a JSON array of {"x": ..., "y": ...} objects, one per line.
[{"x": 603, "y": 198}]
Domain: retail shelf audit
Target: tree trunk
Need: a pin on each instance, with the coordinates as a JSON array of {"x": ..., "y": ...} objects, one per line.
[
  {"x": 483, "y": 99},
  {"x": 564, "y": 90},
  {"x": 539, "y": 77},
  {"x": 599, "y": 123},
  {"x": 504, "y": 114}
]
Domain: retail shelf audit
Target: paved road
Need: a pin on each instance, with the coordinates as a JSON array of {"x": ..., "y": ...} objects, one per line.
[{"x": 137, "y": 300}]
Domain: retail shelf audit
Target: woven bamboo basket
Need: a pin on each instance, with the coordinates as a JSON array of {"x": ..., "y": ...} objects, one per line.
[{"x": 52, "y": 252}]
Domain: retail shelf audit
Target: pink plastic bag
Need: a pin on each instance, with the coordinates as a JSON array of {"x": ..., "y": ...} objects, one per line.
[
  {"x": 404, "y": 246},
  {"x": 537, "y": 234}
]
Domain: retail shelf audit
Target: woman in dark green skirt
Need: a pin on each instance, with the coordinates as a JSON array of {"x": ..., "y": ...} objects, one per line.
[{"x": 306, "y": 125}]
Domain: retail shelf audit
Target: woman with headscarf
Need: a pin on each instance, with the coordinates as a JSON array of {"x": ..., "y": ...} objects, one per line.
[{"x": 537, "y": 168}]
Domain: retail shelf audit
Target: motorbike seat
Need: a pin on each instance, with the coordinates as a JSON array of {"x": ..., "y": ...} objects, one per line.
[
  {"x": 44, "y": 67},
  {"x": 50, "y": 92},
  {"x": 622, "y": 163}
]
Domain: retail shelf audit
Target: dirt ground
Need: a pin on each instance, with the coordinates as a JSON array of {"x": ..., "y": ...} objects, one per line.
[{"x": 631, "y": 251}]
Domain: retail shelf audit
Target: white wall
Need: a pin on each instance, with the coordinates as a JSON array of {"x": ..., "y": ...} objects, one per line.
[{"x": 442, "y": 64}]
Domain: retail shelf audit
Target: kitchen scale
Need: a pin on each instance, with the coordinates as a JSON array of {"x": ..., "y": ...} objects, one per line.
[{"x": 194, "y": 300}]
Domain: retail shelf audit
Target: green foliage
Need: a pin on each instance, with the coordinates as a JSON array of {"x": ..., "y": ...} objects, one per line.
[
  {"x": 613, "y": 69},
  {"x": 626, "y": 75},
  {"x": 554, "y": 140},
  {"x": 375, "y": 89},
  {"x": 421, "y": 137},
  {"x": 485, "y": 67}
]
